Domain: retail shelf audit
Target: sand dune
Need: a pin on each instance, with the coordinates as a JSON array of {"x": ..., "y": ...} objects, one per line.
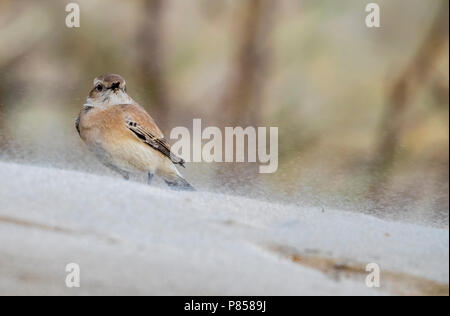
[{"x": 129, "y": 238}]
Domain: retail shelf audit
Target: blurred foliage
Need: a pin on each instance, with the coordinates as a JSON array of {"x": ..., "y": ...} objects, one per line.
[{"x": 310, "y": 67}]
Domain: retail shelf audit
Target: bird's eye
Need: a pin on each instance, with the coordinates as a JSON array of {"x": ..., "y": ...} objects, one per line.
[{"x": 99, "y": 87}]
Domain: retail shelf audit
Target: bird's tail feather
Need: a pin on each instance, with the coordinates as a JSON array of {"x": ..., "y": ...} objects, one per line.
[{"x": 180, "y": 184}]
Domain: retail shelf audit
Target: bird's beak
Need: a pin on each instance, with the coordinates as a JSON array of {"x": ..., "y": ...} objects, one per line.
[{"x": 115, "y": 86}]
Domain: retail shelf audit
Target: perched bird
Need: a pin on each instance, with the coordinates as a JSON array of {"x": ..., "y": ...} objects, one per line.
[{"x": 124, "y": 136}]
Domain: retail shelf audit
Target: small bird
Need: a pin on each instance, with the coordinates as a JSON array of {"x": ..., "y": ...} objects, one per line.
[{"x": 124, "y": 137}]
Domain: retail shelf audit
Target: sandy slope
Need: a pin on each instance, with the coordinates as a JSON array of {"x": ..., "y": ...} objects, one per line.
[{"x": 129, "y": 238}]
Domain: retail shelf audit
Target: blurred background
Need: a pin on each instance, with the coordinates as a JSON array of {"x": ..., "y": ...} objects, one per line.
[{"x": 362, "y": 112}]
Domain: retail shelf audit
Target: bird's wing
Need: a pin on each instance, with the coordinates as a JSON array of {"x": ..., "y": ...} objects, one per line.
[
  {"x": 144, "y": 127},
  {"x": 77, "y": 124}
]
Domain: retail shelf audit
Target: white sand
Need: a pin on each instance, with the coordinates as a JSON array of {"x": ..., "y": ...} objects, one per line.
[{"x": 129, "y": 238}]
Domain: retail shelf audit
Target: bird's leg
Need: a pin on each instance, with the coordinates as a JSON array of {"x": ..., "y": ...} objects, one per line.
[{"x": 150, "y": 177}]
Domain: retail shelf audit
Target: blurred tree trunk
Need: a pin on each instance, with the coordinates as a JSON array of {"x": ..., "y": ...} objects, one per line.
[
  {"x": 2, "y": 122},
  {"x": 151, "y": 61},
  {"x": 241, "y": 102},
  {"x": 404, "y": 89},
  {"x": 244, "y": 89},
  {"x": 8, "y": 83}
]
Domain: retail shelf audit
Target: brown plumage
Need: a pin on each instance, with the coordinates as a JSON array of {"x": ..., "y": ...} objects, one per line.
[{"x": 124, "y": 136}]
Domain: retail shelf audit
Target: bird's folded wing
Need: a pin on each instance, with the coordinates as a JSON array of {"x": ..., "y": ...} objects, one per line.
[
  {"x": 143, "y": 126},
  {"x": 77, "y": 124}
]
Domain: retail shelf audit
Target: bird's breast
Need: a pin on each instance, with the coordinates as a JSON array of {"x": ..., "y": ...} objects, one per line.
[{"x": 106, "y": 134}]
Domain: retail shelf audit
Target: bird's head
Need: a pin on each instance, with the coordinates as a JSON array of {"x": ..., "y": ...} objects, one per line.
[{"x": 109, "y": 89}]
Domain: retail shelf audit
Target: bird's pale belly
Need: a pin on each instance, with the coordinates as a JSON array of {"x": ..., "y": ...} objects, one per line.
[{"x": 126, "y": 154}]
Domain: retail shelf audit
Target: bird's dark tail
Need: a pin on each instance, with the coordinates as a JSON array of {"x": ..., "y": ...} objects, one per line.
[{"x": 179, "y": 184}]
